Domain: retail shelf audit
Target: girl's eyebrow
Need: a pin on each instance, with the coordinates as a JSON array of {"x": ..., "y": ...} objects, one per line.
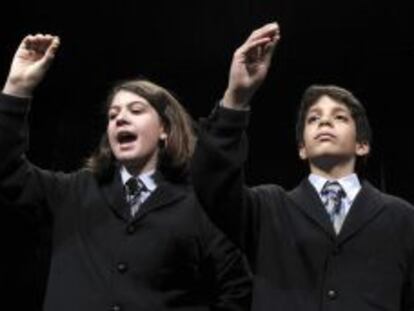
[{"x": 139, "y": 102}]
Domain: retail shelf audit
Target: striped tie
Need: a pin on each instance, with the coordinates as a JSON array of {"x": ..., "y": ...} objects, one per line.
[
  {"x": 134, "y": 188},
  {"x": 332, "y": 195}
]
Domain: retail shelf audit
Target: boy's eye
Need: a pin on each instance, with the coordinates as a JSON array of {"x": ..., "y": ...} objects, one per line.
[
  {"x": 341, "y": 117},
  {"x": 312, "y": 119}
]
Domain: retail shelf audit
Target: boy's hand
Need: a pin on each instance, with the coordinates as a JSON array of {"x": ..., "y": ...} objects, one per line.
[
  {"x": 250, "y": 64},
  {"x": 30, "y": 63}
]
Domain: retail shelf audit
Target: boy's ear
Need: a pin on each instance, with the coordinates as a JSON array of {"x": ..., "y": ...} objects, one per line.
[
  {"x": 302, "y": 151},
  {"x": 362, "y": 149}
]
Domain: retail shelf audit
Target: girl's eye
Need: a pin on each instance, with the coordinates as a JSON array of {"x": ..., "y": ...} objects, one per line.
[{"x": 136, "y": 109}]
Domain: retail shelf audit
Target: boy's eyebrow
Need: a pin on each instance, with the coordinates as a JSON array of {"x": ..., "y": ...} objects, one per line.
[
  {"x": 313, "y": 109},
  {"x": 340, "y": 107},
  {"x": 343, "y": 108}
]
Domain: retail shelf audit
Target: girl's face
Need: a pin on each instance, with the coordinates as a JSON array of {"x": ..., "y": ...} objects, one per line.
[{"x": 134, "y": 130}]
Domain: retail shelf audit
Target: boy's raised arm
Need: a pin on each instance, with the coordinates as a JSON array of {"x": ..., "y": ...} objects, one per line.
[
  {"x": 250, "y": 64},
  {"x": 222, "y": 144}
]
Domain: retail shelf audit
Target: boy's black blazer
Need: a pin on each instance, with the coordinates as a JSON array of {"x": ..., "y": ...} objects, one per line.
[{"x": 298, "y": 262}]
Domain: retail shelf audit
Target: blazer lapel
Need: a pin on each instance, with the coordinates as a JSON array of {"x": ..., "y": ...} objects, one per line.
[
  {"x": 166, "y": 194},
  {"x": 367, "y": 205},
  {"x": 307, "y": 199},
  {"x": 114, "y": 193}
]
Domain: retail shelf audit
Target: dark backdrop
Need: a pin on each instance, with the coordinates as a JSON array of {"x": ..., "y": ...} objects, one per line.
[{"x": 366, "y": 46}]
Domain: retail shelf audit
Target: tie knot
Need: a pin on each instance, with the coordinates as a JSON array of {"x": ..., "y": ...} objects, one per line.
[
  {"x": 134, "y": 186},
  {"x": 333, "y": 189}
]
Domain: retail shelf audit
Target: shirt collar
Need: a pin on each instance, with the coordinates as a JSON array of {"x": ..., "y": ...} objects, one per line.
[
  {"x": 349, "y": 183},
  {"x": 147, "y": 178}
]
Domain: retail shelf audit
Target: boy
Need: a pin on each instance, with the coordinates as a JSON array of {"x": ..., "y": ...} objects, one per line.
[{"x": 334, "y": 242}]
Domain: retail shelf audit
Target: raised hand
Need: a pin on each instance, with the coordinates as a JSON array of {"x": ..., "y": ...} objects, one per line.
[
  {"x": 250, "y": 64},
  {"x": 30, "y": 63}
]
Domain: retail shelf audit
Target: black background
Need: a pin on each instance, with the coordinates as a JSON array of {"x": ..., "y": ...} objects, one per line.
[{"x": 186, "y": 46}]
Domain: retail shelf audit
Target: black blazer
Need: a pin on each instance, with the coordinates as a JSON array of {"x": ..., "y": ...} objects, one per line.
[
  {"x": 298, "y": 261},
  {"x": 169, "y": 257}
]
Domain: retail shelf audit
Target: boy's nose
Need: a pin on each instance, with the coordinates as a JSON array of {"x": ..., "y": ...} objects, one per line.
[{"x": 325, "y": 121}]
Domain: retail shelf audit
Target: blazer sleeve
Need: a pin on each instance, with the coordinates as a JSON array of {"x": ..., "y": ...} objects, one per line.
[
  {"x": 226, "y": 268},
  {"x": 22, "y": 183},
  {"x": 218, "y": 178},
  {"x": 409, "y": 292},
  {"x": 408, "y": 289}
]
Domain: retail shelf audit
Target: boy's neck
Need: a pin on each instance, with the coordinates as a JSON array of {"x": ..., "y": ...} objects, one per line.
[{"x": 332, "y": 170}]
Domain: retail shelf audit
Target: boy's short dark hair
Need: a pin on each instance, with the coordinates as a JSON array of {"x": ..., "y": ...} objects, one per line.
[{"x": 341, "y": 95}]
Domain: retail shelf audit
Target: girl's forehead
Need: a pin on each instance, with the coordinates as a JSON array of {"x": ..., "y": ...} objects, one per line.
[{"x": 123, "y": 98}]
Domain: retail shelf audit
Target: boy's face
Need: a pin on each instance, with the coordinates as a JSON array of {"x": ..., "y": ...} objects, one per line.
[
  {"x": 134, "y": 130},
  {"x": 330, "y": 132}
]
